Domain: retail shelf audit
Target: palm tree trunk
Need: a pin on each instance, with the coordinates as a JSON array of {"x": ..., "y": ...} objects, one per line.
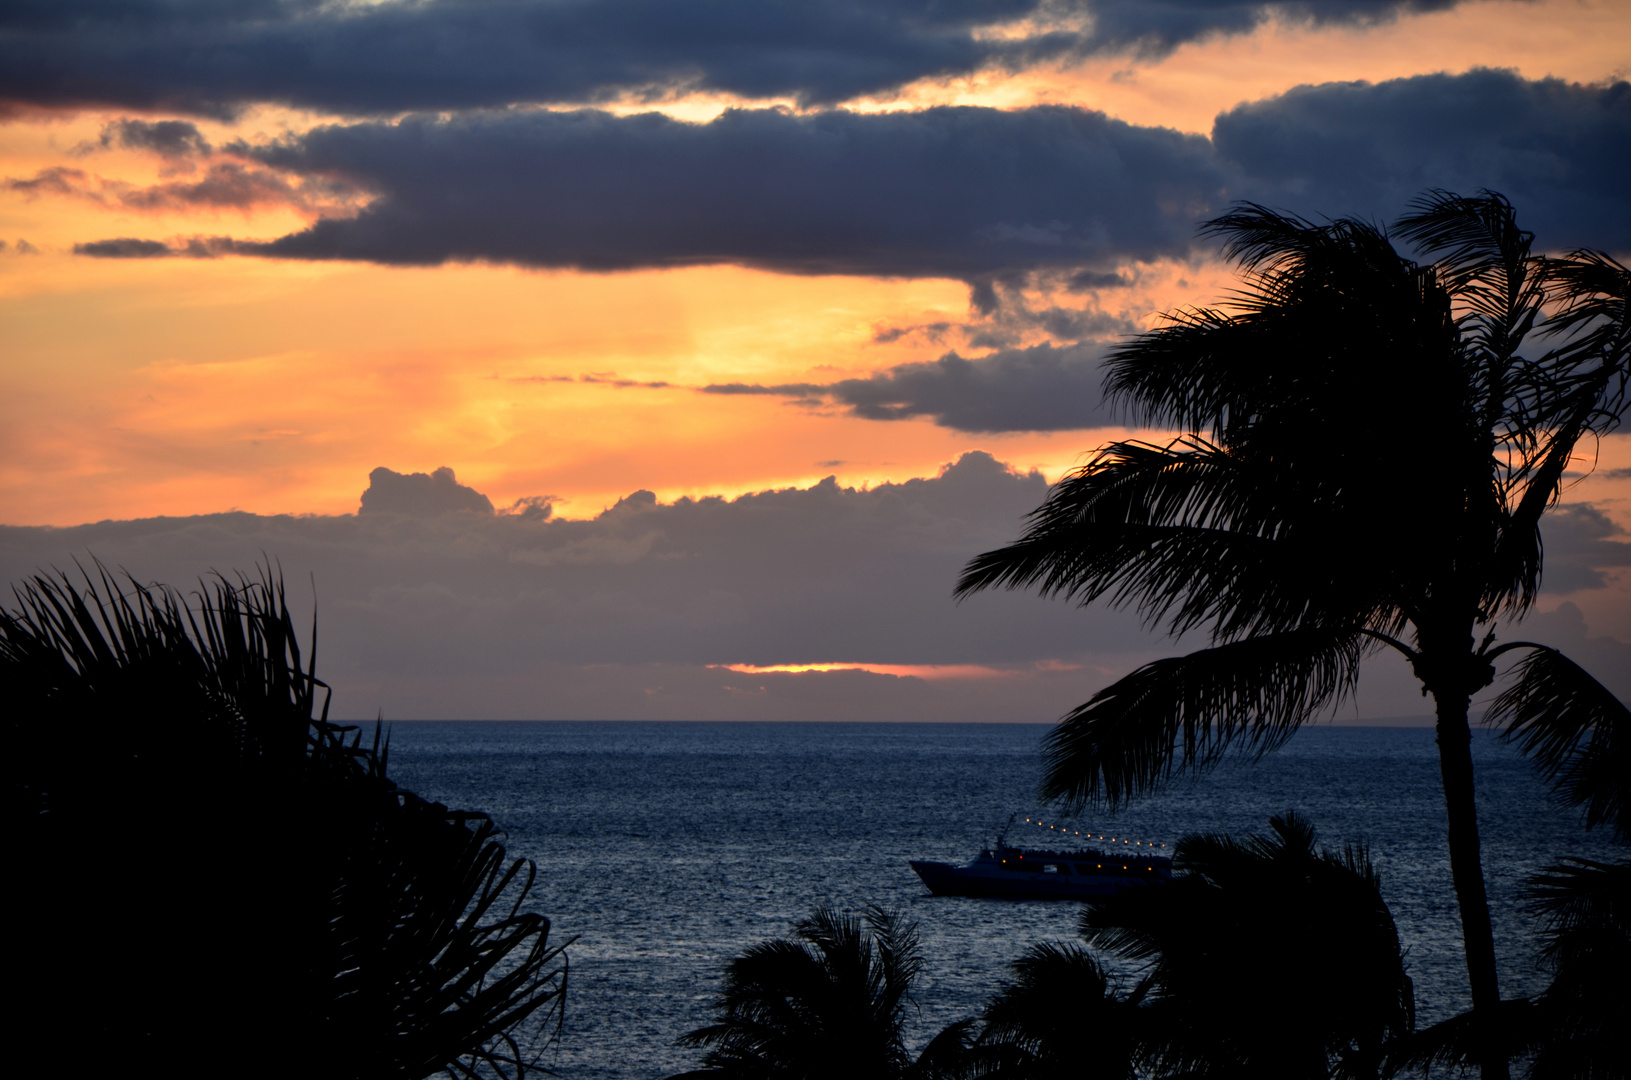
[{"x": 1466, "y": 867}]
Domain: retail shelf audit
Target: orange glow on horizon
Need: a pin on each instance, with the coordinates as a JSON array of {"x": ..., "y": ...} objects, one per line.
[{"x": 930, "y": 672}]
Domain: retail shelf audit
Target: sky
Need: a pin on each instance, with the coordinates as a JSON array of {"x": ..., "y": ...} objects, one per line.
[{"x": 644, "y": 360}]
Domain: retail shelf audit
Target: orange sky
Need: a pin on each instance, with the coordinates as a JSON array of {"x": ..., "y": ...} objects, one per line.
[{"x": 135, "y": 388}]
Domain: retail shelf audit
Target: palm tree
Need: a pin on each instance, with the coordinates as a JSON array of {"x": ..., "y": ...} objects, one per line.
[
  {"x": 829, "y": 1002},
  {"x": 1365, "y": 458},
  {"x": 205, "y": 871},
  {"x": 1267, "y": 958}
]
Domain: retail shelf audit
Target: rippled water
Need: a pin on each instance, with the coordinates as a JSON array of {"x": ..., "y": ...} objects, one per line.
[{"x": 665, "y": 848}]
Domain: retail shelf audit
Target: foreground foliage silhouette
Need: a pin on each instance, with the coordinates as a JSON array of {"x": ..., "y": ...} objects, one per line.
[
  {"x": 223, "y": 881},
  {"x": 1267, "y": 957},
  {"x": 1581, "y": 738},
  {"x": 1060, "y": 1018},
  {"x": 1367, "y": 455},
  {"x": 828, "y": 1002}
]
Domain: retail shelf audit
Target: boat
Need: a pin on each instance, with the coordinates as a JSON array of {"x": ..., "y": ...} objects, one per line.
[{"x": 1015, "y": 873}]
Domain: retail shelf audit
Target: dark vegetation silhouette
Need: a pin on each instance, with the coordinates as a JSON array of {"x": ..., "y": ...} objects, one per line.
[
  {"x": 1062, "y": 1017},
  {"x": 1268, "y": 958},
  {"x": 1369, "y": 444},
  {"x": 1580, "y": 737},
  {"x": 209, "y": 877},
  {"x": 828, "y": 1002}
]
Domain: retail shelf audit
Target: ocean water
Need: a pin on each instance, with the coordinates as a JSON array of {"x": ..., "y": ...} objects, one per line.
[{"x": 664, "y": 849}]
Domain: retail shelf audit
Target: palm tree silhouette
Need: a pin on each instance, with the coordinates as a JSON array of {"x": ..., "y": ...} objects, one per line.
[
  {"x": 828, "y": 1002},
  {"x": 222, "y": 880},
  {"x": 1366, "y": 459},
  {"x": 1266, "y": 958}
]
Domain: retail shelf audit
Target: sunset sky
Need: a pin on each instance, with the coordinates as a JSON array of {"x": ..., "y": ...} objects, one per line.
[{"x": 607, "y": 260}]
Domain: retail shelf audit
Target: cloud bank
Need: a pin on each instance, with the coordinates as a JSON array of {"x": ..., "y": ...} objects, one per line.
[
  {"x": 968, "y": 193},
  {"x": 213, "y": 57},
  {"x": 433, "y": 606}
]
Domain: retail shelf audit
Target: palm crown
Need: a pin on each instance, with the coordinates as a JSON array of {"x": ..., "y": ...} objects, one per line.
[{"x": 1366, "y": 452}]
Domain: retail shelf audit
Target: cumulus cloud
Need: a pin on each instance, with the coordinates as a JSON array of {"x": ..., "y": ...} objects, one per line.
[
  {"x": 530, "y": 615},
  {"x": 215, "y": 58},
  {"x": 1583, "y": 545},
  {"x": 967, "y": 193},
  {"x": 421, "y": 495},
  {"x": 672, "y": 610},
  {"x": 1041, "y": 388}
]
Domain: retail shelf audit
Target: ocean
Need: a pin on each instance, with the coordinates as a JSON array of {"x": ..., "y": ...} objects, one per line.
[{"x": 664, "y": 849}]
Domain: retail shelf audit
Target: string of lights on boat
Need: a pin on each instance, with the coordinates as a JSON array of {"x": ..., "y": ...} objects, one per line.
[{"x": 1067, "y": 831}]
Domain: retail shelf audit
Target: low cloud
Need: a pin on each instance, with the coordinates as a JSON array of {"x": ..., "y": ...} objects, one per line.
[
  {"x": 225, "y": 185},
  {"x": 1583, "y": 547},
  {"x": 130, "y": 247},
  {"x": 1041, "y": 388},
  {"x": 524, "y": 614},
  {"x": 125, "y": 247},
  {"x": 679, "y": 610},
  {"x": 357, "y": 59}
]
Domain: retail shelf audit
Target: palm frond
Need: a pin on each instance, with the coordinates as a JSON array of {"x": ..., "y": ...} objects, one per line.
[
  {"x": 1484, "y": 258},
  {"x": 1576, "y": 730},
  {"x": 1190, "y": 534},
  {"x": 1033, "y": 1029},
  {"x": 1585, "y": 905},
  {"x": 946, "y": 1056},
  {"x": 1183, "y": 713},
  {"x": 830, "y": 1000},
  {"x": 361, "y": 931},
  {"x": 1594, "y": 293},
  {"x": 1466, "y": 1040},
  {"x": 1586, "y": 911},
  {"x": 1263, "y": 926}
]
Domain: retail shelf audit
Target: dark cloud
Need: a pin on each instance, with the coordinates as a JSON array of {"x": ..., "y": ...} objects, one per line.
[
  {"x": 421, "y": 495},
  {"x": 1582, "y": 545},
  {"x": 225, "y": 185},
  {"x": 128, "y": 247},
  {"x": 125, "y": 247},
  {"x": 216, "y": 56},
  {"x": 1559, "y": 150},
  {"x": 1042, "y": 388},
  {"x": 975, "y": 194},
  {"x": 56, "y": 180},
  {"x": 167, "y": 138},
  {"x": 955, "y": 192}
]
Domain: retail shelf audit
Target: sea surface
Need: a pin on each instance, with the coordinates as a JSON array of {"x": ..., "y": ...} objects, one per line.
[{"x": 664, "y": 849}]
